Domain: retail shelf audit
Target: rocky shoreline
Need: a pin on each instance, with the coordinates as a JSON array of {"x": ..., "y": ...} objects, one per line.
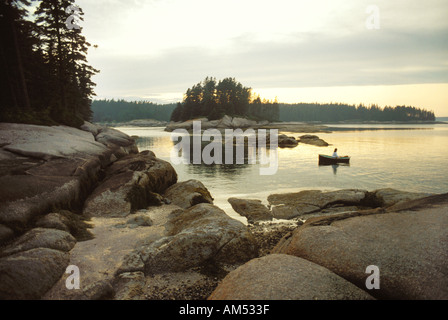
[
  {"x": 89, "y": 198},
  {"x": 228, "y": 122}
]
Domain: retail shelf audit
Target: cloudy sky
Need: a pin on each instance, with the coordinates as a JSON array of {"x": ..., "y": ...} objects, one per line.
[{"x": 352, "y": 51}]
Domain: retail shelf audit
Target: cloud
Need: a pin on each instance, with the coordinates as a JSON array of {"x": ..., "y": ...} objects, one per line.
[
  {"x": 164, "y": 47},
  {"x": 312, "y": 60}
]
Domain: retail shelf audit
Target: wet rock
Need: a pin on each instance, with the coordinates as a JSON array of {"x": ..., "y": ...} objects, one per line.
[
  {"x": 29, "y": 274},
  {"x": 285, "y": 277},
  {"x": 186, "y": 194},
  {"x": 253, "y": 210}
]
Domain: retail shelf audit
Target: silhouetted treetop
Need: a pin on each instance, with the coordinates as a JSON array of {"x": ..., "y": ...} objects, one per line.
[{"x": 213, "y": 99}]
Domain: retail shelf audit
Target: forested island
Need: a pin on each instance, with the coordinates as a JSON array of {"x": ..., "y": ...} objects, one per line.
[{"x": 214, "y": 99}]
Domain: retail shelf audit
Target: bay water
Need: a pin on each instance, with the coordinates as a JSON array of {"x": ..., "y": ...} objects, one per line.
[{"x": 405, "y": 157}]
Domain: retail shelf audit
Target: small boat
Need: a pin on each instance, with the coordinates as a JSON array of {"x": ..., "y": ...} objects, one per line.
[{"x": 324, "y": 159}]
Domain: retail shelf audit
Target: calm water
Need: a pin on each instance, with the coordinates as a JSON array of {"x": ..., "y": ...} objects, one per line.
[{"x": 405, "y": 157}]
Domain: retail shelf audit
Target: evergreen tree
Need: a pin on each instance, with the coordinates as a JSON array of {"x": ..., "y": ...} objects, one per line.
[
  {"x": 65, "y": 53},
  {"x": 44, "y": 74}
]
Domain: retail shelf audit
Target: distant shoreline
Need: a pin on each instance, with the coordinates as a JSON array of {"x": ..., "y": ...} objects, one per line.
[{"x": 157, "y": 123}]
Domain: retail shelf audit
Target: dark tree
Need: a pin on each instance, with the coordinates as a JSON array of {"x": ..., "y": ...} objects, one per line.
[
  {"x": 15, "y": 51},
  {"x": 65, "y": 51},
  {"x": 44, "y": 74},
  {"x": 213, "y": 100}
]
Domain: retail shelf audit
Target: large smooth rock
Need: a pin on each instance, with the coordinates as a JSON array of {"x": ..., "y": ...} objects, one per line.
[
  {"x": 285, "y": 277},
  {"x": 41, "y": 238},
  {"x": 193, "y": 237},
  {"x": 186, "y": 194},
  {"x": 293, "y": 211},
  {"x": 410, "y": 248},
  {"x": 252, "y": 209},
  {"x": 46, "y": 168},
  {"x": 24, "y": 197},
  {"x": 49, "y": 142},
  {"x": 318, "y": 198},
  {"x": 303, "y": 203},
  {"x": 108, "y": 136},
  {"x": 29, "y": 274},
  {"x": 131, "y": 183}
]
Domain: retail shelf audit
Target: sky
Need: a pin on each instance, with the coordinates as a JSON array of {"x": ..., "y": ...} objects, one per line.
[{"x": 353, "y": 51}]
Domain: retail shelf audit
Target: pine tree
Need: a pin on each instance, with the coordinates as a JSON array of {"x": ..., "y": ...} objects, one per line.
[{"x": 65, "y": 53}]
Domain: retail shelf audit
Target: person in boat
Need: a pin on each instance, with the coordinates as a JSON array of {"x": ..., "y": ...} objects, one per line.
[{"x": 335, "y": 153}]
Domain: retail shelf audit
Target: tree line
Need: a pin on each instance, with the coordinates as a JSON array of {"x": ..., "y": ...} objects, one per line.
[
  {"x": 213, "y": 99},
  {"x": 44, "y": 74},
  {"x": 111, "y": 110},
  {"x": 335, "y": 112}
]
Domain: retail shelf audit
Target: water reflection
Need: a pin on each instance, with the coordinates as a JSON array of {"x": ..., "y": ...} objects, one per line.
[
  {"x": 229, "y": 156},
  {"x": 425, "y": 171},
  {"x": 335, "y": 166}
]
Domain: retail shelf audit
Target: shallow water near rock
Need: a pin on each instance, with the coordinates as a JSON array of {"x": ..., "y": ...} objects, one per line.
[{"x": 403, "y": 157}]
